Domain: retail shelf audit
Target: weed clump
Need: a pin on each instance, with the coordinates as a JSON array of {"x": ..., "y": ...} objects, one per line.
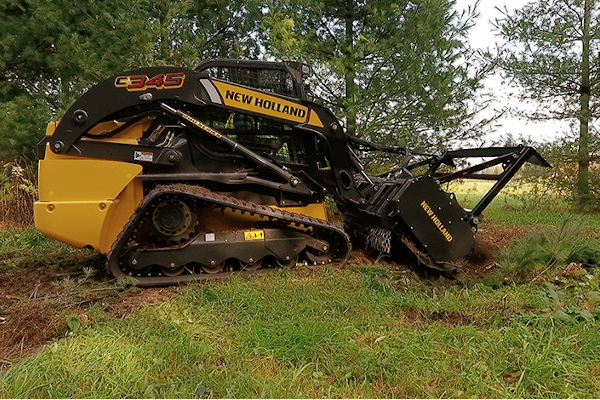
[
  {"x": 542, "y": 253},
  {"x": 18, "y": 192}
]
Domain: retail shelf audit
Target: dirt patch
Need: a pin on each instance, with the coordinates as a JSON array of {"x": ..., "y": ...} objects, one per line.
[
  {"x": 130, "y": 304},
  {"x": 366, "y": 257},
  {"x": 34, "y": 301},
  {"x": 29, "y": 317},
  {"x": 421, "y": 318},
  {"x": 489, "y": 242},
  {"x": 492, "y": 239}
]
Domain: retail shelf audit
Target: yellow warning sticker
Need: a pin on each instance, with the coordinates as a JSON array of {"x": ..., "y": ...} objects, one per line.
[{"x": 254, "y": 235}]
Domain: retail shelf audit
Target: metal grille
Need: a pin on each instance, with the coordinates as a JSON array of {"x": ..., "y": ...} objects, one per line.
[
  {"x": 261, "y": 135},
  {"x": 270, "y": 80}
]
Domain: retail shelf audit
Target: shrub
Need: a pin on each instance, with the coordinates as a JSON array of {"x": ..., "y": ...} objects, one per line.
[
  {"x": 557, "y": 185},
  {"x": 548, "y": 249}
]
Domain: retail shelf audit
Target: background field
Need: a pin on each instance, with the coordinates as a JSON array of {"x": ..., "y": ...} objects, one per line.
[{"x": 364, "y": 329}]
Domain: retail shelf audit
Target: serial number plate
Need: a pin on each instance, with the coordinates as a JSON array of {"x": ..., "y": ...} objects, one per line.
[{"x": 254, "y": 235}]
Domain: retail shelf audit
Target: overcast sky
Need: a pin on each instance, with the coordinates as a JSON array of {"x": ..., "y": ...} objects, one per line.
[{"x": 482, "y": 36}]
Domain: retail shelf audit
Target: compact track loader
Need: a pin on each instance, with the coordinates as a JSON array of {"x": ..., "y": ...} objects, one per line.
[{"x": 181, "y": 175}]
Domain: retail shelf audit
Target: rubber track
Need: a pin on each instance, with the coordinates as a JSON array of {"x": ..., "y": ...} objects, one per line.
[{"x": 208, "y": 196}]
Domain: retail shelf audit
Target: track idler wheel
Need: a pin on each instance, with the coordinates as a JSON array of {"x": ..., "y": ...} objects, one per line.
[
  {"x": 249, "y": 266},
  {"x": 173, "y": 271},
  {"x": 321, "y": 255},
  {"x": 286, "y": 264},
  {"x": 213, "y": 268}
]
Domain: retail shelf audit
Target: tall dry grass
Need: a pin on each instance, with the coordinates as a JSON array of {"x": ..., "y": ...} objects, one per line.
[{"x": 18, "y": 191}]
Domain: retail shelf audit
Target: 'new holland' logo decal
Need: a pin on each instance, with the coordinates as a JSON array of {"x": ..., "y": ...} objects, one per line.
[
  {"x": 253, "y": 101},
  {"x": 437, "y": 222}
]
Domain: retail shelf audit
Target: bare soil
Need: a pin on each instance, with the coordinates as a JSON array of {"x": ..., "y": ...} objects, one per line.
[
  {"x": 127, "y": 305},
  {"x": 27, "y": 321},
  {"x": 488, "y": 244},
  {"x": 34, "y": 299}
]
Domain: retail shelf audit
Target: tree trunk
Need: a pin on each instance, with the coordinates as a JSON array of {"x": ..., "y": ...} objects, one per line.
[
  {"x": 350, "y": 107},
  {"x": 583, "y": 186}
]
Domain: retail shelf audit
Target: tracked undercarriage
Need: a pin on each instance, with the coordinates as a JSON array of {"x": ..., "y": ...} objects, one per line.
[
  {"x": 181, "y": 175},
  {"x": 184, "y": 232}
]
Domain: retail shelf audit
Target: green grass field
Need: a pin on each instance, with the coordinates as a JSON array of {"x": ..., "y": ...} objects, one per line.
[
  {"x": 354, "y": 332},
  {"x": 351, "y": 331},
  {"x": 515, "y": 206}
]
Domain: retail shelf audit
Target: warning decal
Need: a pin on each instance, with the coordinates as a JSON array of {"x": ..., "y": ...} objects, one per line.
[{"x": 254, "y": 235}]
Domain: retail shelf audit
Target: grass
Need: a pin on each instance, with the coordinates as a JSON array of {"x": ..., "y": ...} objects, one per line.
[
  {"x": 28, "y": 247},
  {"x": 355, "y": 332},
  {"x": 514, "y": 206}
]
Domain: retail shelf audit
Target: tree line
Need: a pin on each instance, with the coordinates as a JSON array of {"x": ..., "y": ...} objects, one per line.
[{"x": 400, "y": 72}]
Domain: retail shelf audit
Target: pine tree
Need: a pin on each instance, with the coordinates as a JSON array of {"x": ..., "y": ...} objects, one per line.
[
  {"x": 397, "y": 71},
  {"x": 51, "y": 52},
  {"x": 551, "y": 52}
]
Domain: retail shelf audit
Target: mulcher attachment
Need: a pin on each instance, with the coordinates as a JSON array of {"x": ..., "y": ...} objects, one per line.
[{"x": 414, "y": 212}]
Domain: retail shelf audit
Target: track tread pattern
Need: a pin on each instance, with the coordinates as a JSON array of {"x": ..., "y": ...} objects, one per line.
[{"x": 208, "y": 196}]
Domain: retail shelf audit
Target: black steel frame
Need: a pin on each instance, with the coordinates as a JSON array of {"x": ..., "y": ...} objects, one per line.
[{"x": 511, "y": 159}]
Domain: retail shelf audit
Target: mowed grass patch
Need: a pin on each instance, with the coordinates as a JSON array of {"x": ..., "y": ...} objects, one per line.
[{"x": 361, "y": 331}]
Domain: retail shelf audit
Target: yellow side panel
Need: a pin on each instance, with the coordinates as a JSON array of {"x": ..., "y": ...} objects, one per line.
[
  {"x": 86, "y": 202},
  {"x": 261, "y": 103},
  {"x": 84, "y": 179},
  {"x": 314, "y": 119},
  {"x": 315, "y": 210},
  {"x": 128, "y": 201},
  {"x": 130, "y": 135},
  {"x": 78, "y": 223},
  {"x": 51, "y": 127}
]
